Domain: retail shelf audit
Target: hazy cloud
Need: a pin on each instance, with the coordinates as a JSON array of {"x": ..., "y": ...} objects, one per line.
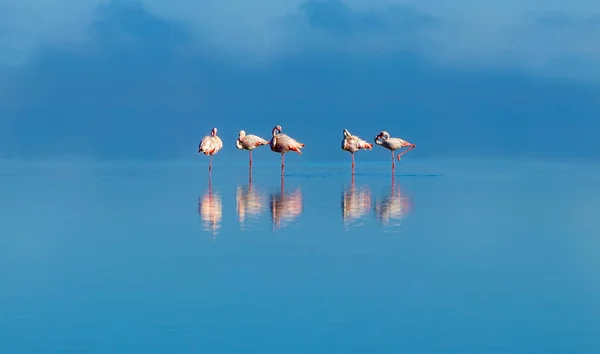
[
  {"x": 557, "y": 19},
  {"x": 334, "y": 15},
  {"x": 474, "y": 33},
  {"x": 139, "y": 84}
]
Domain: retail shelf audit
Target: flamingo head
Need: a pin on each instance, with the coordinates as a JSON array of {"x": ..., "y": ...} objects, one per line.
[
  {"x": 213, "y": 132},
  {"x": 276, "y": 130},
  {"x": 382, "y": 135},
  {"x": 346, "y": 133},
  {"x": 242, "y": 134}
]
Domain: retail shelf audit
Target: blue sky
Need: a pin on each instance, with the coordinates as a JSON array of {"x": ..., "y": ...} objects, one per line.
[{"x": 148, "y": 79}]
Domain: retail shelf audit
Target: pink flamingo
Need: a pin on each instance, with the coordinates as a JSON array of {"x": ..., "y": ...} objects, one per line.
[
  {"x": 249, "y": 142},
  {"x": 282, "y": 143},
  {"x": 393, "y": 144},
  {"x": 210, "y": 145},
  {"x": 353, "y": 143}
]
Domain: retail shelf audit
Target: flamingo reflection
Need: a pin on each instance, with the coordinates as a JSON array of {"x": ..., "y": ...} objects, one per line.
[
  {"x": 210, "y": 209},
  {"x": 394, "y": 207},
  {"x": 355, "y": 203},
  {"x": 249, "y": 202},
  {"x": 285, "y": 207}
]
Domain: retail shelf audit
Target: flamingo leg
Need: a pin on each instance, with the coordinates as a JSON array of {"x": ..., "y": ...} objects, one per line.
[
  {"x": 282, "y": 163},
  {"x": 353, "y": 163},
  {"x": 250, "y": 153},
  {"x": 393, "y": 163},
  {"x": 210, "y": 164},
  {"x": 405, "y": 151}
]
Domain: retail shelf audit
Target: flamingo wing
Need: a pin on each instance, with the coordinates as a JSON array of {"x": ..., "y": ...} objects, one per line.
[
  {"x": 217, "y": 144},
  {"x": 205, "y": 144},
  {"x": 253, "y": 140},
  {"x": 356, "y": 143},
  {"x": 210, "y": 145},
  {"x": 362, "y": 144},
  {"x": 290, "y": 143}
]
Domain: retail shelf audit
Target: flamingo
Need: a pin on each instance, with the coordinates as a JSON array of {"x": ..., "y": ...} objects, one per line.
[
  {"x": 393, "y": 144},
  {"x": 353, "y": 143},
  {"x": 249, "y": 142},
  {"x": 210, "y": 145},
  {"x": 282, "y": 143}
]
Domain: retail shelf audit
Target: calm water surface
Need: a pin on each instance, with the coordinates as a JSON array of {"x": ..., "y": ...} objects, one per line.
[{"x": 449, "y": 256}]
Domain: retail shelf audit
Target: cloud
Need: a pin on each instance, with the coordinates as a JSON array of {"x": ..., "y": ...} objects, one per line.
[
  {"x": 334, "y": 15},
  {"x": 140, "y": 85},
  {"x": 333, "y": 25},
  {"x": 562, "y": 20},
  {"x": 464, "y": 33},
  {"x": 27, "y": 25}
]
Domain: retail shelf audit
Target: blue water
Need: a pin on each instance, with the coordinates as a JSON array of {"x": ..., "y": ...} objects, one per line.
[{"x": 453, "y": 257}]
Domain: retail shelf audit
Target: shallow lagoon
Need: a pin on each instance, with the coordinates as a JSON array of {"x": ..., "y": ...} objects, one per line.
[{"x": 450, "y": 256}]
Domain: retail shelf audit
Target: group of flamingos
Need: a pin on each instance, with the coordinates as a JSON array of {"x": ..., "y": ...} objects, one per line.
[{"x": 283, "y": 143}]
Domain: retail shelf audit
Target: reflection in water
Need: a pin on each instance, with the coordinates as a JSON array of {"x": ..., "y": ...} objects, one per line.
[
  {"x": 355, "y": 203},
  {"x": 394, "y": 207},
  {"x": 249, "y": 202},
  {"x": 210, "y": 209},
  {"x": 285, "y": 207}
]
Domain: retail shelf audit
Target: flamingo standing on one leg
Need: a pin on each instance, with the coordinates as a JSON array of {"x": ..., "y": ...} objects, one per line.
[
  {"x": 353, "y": 143},
  {"x": 282, "y": 143},
  {"x": 210, "y": 145},
  {"x": 393, "y": 144},
  {"x": 249, "y": 142}
]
